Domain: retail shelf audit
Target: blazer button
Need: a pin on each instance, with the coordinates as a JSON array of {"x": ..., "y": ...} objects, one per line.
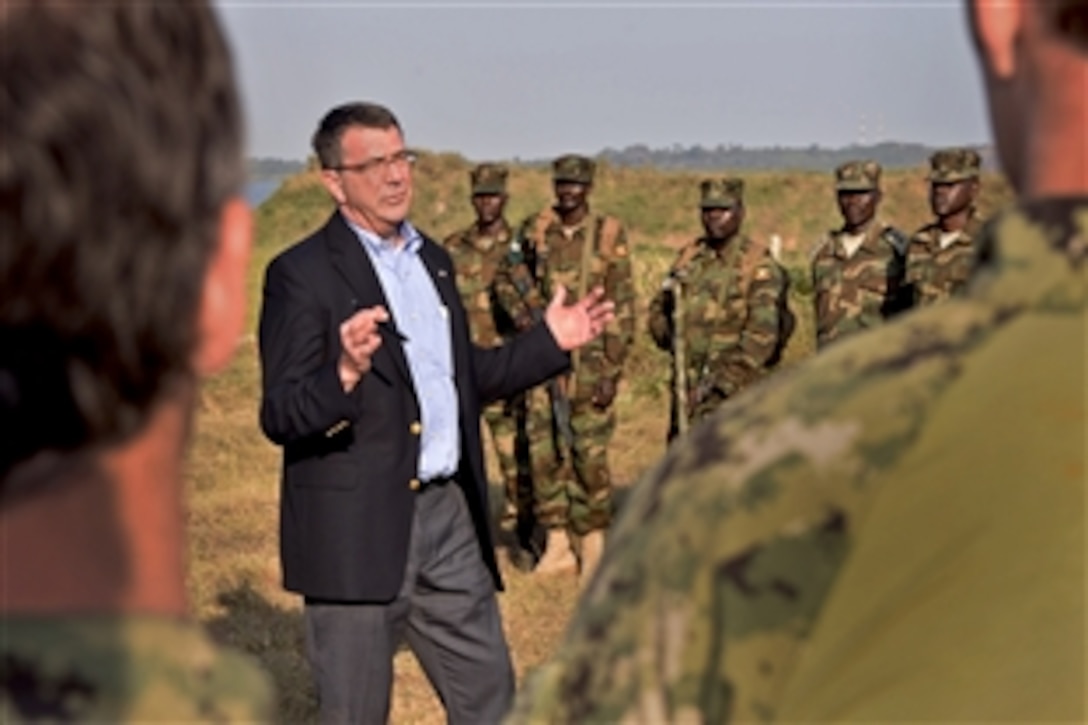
[
  {"x": 414, "y": 484},
  {"x": 415, "y": 428}
]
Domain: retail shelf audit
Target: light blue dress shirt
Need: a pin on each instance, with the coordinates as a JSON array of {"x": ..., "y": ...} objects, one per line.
[{"x": 422, "y": 318}]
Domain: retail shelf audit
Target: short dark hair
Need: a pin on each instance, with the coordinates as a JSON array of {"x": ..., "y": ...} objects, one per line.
[
  {"x": 326, "y": 140},
  {"x": 1069, "y": 20},
  {"x": 122, "y": 142}
]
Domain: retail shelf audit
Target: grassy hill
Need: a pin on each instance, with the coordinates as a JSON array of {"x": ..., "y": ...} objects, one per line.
[{"x": 233, "y": 473}]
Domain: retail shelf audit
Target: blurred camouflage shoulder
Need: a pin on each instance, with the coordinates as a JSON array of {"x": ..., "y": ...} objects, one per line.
[
  {"x": 725, "y": 553},
  {"x": 125, "y": 669}
]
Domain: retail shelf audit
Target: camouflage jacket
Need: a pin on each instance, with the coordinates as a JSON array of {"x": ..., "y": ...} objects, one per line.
[
  {"x": 731, "y": 317},
  {"x": 476, "y": 258},
  {"x": 124, "y": 669},
  {"x": 935, "y": 274},
  {"x": 859, "y": 291},
  {"x": 556, "y": 257},
  {"x": 893, "y": 531}
]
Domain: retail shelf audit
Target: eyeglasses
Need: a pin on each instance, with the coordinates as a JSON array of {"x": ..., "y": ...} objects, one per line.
[{"x": 381, "y": 164}]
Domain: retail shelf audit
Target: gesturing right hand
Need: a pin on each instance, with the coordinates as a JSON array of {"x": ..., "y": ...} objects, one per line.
[{"x": 359, "y": 338}]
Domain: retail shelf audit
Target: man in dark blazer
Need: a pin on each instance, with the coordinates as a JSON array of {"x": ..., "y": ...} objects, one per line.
[{"x": 373, "y": 389}]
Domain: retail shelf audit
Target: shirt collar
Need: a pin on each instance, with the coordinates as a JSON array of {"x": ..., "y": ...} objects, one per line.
[
  {"x": 868, "y": 236},
  {"x": 413, "y": 240}
]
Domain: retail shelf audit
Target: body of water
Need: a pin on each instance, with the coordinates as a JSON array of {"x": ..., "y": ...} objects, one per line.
[{"x": 257, "y": 190}]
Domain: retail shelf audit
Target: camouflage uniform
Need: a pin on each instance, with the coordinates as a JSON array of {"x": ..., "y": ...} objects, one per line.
[
  {"x": 934, "y": 273},
  {"x": 111, "y": 668},
  {"x": 833, "y": 548},
  {"x": 732, "y": 300},
  {"x": 576, "y": 494},
  {"x": 476, "y": 258},
  {"x": 860, "y": 289}
]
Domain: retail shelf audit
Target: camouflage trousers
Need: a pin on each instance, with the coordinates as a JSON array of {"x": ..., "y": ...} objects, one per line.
[
  {"x": 572, "y": 489},
  {"x": 501, "y": 420}
]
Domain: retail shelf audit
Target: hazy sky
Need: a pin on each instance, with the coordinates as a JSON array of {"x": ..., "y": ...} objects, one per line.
[{"x": 497, "y": 80}]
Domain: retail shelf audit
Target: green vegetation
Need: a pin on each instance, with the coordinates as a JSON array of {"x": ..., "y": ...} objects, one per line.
[{"x": 234, "y": 473}]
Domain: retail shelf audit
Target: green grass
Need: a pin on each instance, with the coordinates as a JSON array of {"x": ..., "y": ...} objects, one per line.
[{"x": 233, "y": 473}]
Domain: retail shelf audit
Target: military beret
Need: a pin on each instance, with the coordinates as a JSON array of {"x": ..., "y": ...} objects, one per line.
[
  {"x": 572, "y": 167},
  {"x": 958, "y": 164},
  {"x": 488, "y": 179},
  {"x": 721, "y": 193},
  {"x": 858, "y": 176}
]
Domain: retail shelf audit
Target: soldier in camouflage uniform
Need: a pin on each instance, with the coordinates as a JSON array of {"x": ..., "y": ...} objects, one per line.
[
  {"x": 476, "y": 253},
  {"x": 123, "y": 276},
  {"x": 895, "y": 532},
  {"x": 569, "y": 245},
  {"x": 857, "y": 270},
  {"x": 733, "y": 296},
  {"x": 941, "y": 255}
]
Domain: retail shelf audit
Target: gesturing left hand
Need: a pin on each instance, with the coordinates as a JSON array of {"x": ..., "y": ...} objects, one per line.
[{"x": 574, "y": 325}]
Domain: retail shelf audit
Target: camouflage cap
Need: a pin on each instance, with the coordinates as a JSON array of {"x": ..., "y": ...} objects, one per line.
[
  {"x": 958, "y": 164},
  {"x": 488, "y": 179},
  {"x": 721, "y": 193},
  {"x": 858, "y": 176},
  {"x": 572, "y": 167}
]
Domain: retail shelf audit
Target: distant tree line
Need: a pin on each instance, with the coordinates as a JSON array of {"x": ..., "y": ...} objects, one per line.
[{"x": 266, "y": 168}]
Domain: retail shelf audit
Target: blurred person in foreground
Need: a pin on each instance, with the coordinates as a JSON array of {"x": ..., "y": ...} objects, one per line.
[
  {"x": 896, "y": 531},
  {"x": 122, "y": 263}
]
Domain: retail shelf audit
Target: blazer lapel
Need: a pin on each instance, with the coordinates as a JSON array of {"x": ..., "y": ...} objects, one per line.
[{"x": 353, "y": 264}]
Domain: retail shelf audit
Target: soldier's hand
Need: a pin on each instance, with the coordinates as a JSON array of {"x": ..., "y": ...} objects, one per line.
[
  {"x": 604, "y": 392},
  {"x": 695, "y": 399},
  {"x": 700, "y": 395},
  {"x": 692, "y": 407},
  {"x": 359, "y": 339}
]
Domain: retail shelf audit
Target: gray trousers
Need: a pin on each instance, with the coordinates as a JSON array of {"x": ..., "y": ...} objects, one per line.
[{"x": 446, "y": 611}]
